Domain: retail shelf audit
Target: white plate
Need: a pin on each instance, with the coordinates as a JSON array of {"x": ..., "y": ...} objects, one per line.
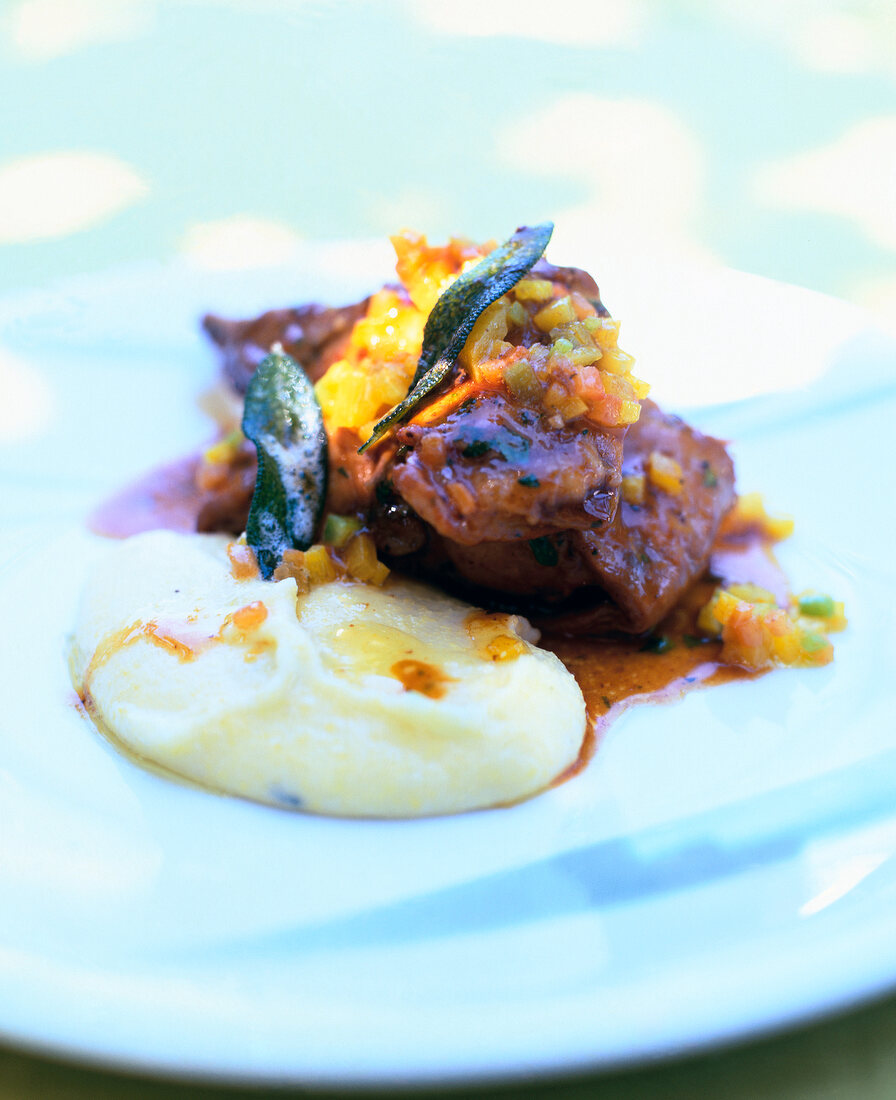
[{"x": 723, "y": 866}]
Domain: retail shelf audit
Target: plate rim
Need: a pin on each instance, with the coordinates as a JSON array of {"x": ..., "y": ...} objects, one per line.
[{"x": 732, "y": 1033}]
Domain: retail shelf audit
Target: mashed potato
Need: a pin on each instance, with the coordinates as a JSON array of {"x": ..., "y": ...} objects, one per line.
[{"x": 350, "y": 700}]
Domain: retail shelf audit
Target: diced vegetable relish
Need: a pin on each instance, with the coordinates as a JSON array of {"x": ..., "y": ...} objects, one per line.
[
  {"x": 546, "y": 346},
  {"x": 350, "y": 554},
  {"x": 750, "y": 517},
  {"x": 379, "y": 365},
  {"x": 757, "y": 634}
]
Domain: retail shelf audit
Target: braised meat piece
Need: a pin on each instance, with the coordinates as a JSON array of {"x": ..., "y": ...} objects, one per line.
[
  {"x": 624, "y": 574},
  {"x": 537, "y": 480},
  {"x": 657, "y": 547},
  {"x": 493, "y": 470},
  {"x": 354, "y": 477},
  {"x": 495, "y": 493},
  {"x": 540, "y": 574},
  {"x": 313, "y": 335}
]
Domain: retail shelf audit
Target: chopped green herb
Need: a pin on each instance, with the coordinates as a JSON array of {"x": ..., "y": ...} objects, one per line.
[
  {"x": 339, "y": 529},
  {"x": 457, "y": 311},
  {"x": 342, "y": 470},
  {"x": 530, "y": 481},
  {"x": 476, "y": 449},
  {"x": 606, "y": 702},
  {"x": 283, "y": 419},
  {"x": 817, "y": 607},
  {"x": 644, "y": 558},
  {"x": 709, "y": 477},
  {"x": 657, "y": 643},
  {"x": 506, "y": 444},
  {"x": 693, "y": 640},
  {"x": 544, "y": 550}
]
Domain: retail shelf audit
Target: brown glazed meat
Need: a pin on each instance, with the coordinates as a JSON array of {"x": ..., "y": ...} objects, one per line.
[
  {"x": 354, "y": 477},
  {"x": 313, "y": 335},
  {"x": 653, "y": 551},
  {"x": 623, "y": 575},
  {"x": 494, "y": 471}
]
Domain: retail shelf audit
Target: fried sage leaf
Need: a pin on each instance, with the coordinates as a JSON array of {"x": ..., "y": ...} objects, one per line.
[
  {"x": 457, "y": 311},
  {"x": 283, "y": 419}
]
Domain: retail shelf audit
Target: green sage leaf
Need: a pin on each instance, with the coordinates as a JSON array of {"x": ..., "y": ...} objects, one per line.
[
  {"x": 457, "y": 311},
  {"x": 283, "y": 419},
  {"x": 427, "y": 384},
  {"x": 459, "y": 308}
]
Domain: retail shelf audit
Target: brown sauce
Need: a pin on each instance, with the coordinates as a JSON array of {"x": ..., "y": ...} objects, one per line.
[
  {"x": 618, "y": 672},
  {"x": 166, "y": 497},
  {"x": 615, "y": 674}
]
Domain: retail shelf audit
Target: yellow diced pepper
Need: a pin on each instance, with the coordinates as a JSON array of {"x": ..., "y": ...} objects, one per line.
[
  {"x": 629, "y": 413},
  {"x": 522, "y": 381},
  {"x": 339, "y": 529},
  {"x": 534, "y": 290},
  {"x": 518, "y": 314},
  {"x": 633, "y": 488},
  {"x": 664, "y": 472},
  {"x": 616, "y": 360},
  {"x": 224, "y": 451},
  {"x": 604, "y": 330},
  {"x": 559, "y": 312},
  {"x": 361, "y": 561},
  {"x": 321, "y": 567}
]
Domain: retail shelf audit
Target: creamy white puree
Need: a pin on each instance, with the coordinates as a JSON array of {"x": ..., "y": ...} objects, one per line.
[{"x": 245, "y": 687}]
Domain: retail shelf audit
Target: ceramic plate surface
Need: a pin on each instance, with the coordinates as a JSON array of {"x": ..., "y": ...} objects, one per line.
[{"x": 725, "y": 864}]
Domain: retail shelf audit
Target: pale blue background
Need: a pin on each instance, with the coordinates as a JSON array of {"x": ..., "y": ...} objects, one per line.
[{"x": 760, "y": 136}]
